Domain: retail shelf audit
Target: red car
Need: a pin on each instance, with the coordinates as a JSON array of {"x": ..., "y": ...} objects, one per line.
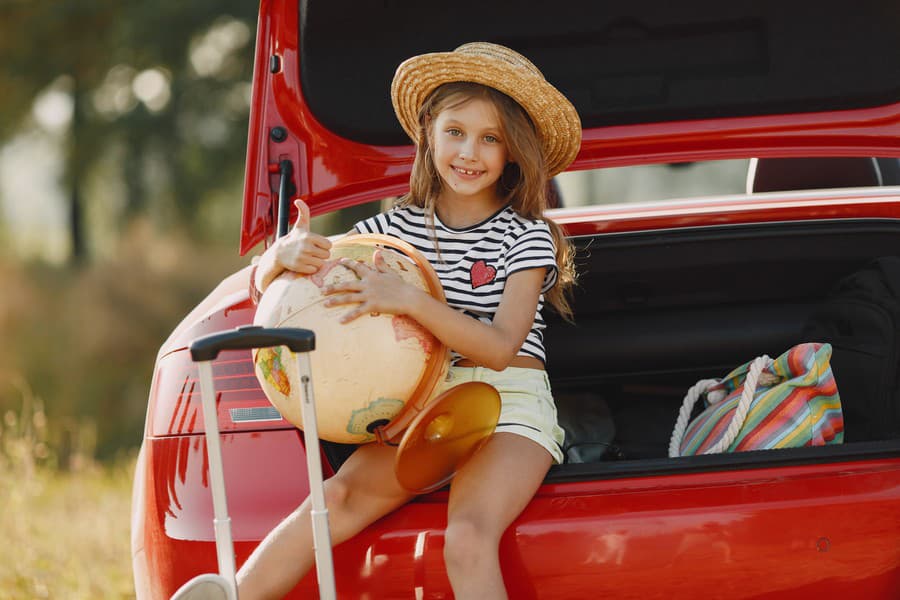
[{"x": 800, "y": 100}]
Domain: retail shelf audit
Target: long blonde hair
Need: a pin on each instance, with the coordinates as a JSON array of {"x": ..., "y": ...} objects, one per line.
[{"x": 524, "y": 181}]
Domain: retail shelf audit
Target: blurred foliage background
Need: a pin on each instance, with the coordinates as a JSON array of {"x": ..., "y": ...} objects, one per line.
[
  {"x": 123, "y": 135},
  {"x": 123, "y": 131}
]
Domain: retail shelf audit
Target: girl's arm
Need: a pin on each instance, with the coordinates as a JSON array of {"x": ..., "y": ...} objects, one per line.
[{"x": 492, "y": 345}]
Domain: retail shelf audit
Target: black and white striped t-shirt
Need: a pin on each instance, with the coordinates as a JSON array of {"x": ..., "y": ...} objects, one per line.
[{"x": 474, "y": 262}]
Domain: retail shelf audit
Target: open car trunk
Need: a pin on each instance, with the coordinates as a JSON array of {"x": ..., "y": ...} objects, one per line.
[{"x": 657, "y": 311}]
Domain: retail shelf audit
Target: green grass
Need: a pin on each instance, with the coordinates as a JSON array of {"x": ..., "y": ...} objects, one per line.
[
  {"x": 77, "y": 348},
  {"x": 63, "y": 533}
]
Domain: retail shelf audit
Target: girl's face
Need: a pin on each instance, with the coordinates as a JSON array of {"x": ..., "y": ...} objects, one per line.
[{"x": 469, "y": 152}]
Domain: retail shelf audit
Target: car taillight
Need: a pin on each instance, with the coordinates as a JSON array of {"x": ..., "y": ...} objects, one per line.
[{"x": 175, "y": 406}]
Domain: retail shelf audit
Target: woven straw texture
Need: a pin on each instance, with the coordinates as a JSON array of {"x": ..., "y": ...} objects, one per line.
[{"x": 554, "y": 117}]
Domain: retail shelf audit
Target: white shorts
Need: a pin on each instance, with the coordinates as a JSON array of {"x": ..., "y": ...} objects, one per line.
[{"x": 526, "y": 404}]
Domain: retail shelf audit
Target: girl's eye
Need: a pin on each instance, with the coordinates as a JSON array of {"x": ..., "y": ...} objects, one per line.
[
  {"x": 454, "y": 131},
  {"x": 491, "y": 139}
]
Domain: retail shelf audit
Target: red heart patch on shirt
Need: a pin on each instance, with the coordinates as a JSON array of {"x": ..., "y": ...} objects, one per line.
[{"x": 481, "y": 274}]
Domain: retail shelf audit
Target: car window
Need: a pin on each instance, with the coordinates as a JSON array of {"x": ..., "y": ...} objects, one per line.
[
  {"x": 661, "y": 182},
  {"x": 648, "y": 183}
]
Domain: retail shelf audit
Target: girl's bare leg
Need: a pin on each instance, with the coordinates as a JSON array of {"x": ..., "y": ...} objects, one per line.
[
  {"x": 488, "y": 493},
  {"x": 363, "y": 490}
]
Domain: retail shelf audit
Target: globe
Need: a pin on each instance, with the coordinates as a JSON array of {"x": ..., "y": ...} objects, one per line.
[{"x": 365, "y": 373}]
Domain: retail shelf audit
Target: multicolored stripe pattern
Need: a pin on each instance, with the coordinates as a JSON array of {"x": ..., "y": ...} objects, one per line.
[{"x": 799, "y": 407}]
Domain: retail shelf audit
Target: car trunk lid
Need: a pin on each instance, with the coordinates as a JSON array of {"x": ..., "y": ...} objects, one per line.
[{"x": 652, "y": 82}]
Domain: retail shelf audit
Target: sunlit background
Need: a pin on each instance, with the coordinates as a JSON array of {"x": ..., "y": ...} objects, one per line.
[
  {"x": 131, "y": 118},
  {"x": 123, "y": 133}
]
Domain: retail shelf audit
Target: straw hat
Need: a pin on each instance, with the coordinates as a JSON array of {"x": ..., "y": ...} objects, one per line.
[{"x": 556, "y": 120}]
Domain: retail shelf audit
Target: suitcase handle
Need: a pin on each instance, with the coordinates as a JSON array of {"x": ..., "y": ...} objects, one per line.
[{"x": 252, "y": 336}]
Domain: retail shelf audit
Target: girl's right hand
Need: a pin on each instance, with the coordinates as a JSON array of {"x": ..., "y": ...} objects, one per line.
[{"x": 300, "y": 250}]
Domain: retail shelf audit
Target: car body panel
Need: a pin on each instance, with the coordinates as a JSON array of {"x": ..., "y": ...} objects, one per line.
[
  {"x": 883, "y": 203},
  {"x": 750, "y": 533}
]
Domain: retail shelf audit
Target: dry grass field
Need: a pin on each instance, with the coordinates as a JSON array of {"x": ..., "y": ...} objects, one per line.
[
  {"x": 77, "y": 347},
  {"x": 64, "y": 534}
]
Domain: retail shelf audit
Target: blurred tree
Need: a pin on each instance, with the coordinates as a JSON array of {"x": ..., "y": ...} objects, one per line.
[{"x": 166, "y": 82}]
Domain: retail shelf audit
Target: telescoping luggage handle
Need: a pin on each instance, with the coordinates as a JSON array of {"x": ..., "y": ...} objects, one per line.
[
  {"x": 252, "y": 336},
  {"x": 300, "y": 341}
]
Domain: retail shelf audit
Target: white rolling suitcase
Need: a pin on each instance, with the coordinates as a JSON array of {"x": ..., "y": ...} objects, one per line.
[{"x": 222, "y": 585}]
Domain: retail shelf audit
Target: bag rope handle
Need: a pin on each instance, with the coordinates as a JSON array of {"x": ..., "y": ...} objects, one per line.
[{"x": 737, "y": 420}]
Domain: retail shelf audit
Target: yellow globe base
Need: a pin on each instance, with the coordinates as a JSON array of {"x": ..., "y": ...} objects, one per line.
[{"x": 443, "y": 436}]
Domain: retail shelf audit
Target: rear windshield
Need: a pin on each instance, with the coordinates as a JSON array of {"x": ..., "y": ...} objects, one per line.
[{"x": 661, "y": 182}]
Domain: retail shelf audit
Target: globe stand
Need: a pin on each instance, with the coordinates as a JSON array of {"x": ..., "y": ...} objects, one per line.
[{"x": 445, "y": 434}]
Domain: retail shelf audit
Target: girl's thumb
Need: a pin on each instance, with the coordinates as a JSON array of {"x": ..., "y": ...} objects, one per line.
[
  {"x": 302, "y": 223},
  {"x": 379, "y": 262}
]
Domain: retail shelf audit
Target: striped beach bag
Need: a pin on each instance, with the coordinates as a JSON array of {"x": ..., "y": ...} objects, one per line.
[{"x": 764, "y": 404}]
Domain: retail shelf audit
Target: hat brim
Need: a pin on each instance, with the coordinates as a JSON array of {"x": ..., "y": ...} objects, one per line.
[{"x": 556, "y": 120}]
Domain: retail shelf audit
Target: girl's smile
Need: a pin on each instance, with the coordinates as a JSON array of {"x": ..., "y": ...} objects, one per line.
[{"x": 467, "y": 172}]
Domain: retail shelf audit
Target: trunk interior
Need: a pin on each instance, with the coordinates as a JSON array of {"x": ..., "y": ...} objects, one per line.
[{"x": 656, "y": 312}]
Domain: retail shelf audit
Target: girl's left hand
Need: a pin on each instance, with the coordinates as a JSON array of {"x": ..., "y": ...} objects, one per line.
[{"x": 378, "y": 290}]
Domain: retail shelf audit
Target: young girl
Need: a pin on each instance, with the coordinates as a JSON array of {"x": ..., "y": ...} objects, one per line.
[{"x": 490, "y": 132}]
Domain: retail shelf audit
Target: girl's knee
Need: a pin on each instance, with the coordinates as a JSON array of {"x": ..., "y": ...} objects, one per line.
[
  {"x": 337, "y": 493},
  {"x": 468, "y": 541}
]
